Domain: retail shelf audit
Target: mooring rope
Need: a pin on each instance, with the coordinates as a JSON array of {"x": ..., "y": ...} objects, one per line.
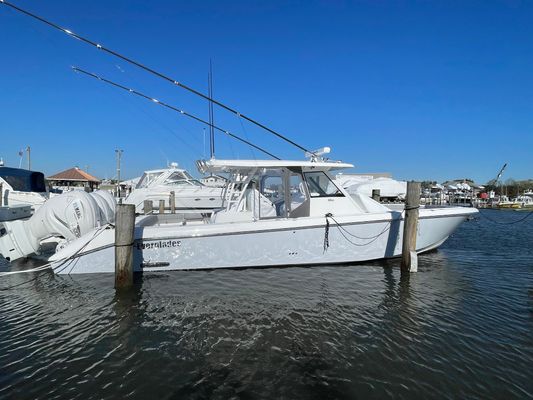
[
  {"x": 24, "y": 271},
  {"x": 326, "y": 233},
  {"x": 344, "y": 232},
  {"x": 49, "y": 265},
  {"x": 508, "y": 222}
]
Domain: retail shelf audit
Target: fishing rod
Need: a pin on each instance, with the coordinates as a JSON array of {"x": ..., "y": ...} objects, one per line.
[
  {"x": 154, "y": 72},
  {"x": 154, "y": 100}
]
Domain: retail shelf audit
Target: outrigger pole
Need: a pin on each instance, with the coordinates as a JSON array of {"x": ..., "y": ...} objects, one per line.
[
  {"x": 153, "y": 100},
  {"x": 154, "y": 72},
  {"x": 211, "y": 114}
]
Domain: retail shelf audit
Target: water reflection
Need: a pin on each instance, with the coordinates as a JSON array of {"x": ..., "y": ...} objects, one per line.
[{"x": 461, "y": 325}]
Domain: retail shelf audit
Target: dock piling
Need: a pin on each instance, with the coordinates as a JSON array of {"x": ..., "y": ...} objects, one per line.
[
  {"x": 412, "y": 204},
  {"x": 148, "y": 207},
  {"x": 161, "y": 206},
  {"x": 173, "y": 202},
  {"x": 124, "y": 237}
]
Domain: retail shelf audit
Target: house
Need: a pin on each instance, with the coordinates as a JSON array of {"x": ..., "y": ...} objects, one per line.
[
  {"x": 73, "y": 178},
  {"x": 214, "y": 180}
]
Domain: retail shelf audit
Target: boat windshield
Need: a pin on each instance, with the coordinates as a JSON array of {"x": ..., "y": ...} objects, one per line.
[
  {"x": 181, "y": 178},
  {"x": 147, "y": 179},
  {"x": 320, "y": 185},
  {"x": 22, "y": 180}
]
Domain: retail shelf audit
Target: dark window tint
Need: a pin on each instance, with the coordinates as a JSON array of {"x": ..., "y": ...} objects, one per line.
[{"x": 23, "y": 181}]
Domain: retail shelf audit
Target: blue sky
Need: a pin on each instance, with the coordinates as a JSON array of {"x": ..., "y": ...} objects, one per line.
[{"x": 422, "y": 89}]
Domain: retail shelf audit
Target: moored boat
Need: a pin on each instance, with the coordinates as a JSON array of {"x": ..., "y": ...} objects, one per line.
[
  {"x": 190, "y": 195},
  {"x": 276, "y": 213}
]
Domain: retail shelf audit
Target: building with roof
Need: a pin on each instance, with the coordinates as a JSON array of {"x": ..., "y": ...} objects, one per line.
[
  {"x": 214, "y": 180},
  {"x": 73, "y": 178}
]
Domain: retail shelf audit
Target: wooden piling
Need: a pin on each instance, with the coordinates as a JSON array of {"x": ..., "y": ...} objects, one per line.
[
  {"x": 173, "y": 202},
  {"x": 124, "y": 236},
  {"x": 148, "y": 206},
  {"x": 161, "y": 206},
  {"x": 412, "y": 204},
  {"x": 376, "y": 194}
]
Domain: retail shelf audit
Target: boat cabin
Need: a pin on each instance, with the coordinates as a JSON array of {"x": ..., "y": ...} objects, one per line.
[{"x": 259, "y": 189}]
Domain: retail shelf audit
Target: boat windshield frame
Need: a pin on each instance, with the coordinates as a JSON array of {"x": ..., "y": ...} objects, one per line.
[{"x": 148, "y": 178}]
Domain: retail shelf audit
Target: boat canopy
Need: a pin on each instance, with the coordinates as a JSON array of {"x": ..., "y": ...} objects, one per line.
[{"x": 215, "y": 165}]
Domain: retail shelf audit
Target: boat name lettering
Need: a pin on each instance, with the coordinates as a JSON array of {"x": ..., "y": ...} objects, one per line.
[{"x": 160, "y": 244}]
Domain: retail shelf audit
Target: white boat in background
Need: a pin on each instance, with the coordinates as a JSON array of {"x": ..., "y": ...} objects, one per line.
[
  {"x": 525, "y": 201},
  {"x": 389, "y": 189},
  {"x": 504, "y": 203},
  {"x": 22, "y": 187},
  {"x": 276, "y": 213},
  {"x": 191, "y": 196}
]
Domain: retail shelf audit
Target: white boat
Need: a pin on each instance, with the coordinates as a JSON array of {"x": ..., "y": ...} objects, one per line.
[
  {"x": 505, "y": 203},
  {"x": 525, "y": 201},
  {"x": 306, "y": 219},
  {"x": 389, "y": 189},
  {"x": 22, "y": 187},
  {"x": 191, "y": 196}
]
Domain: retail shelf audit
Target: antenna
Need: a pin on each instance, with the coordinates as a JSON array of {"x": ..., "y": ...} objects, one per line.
[
  {"x": 21, "y": 155},
  {"x": 28, "y": 150}
]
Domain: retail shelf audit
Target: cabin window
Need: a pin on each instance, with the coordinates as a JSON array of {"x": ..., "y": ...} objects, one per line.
[
  {"x": 321, "y": 185},
  {"x": 282, "y": 192},
  {"x": 272, "y": 188},
  {"x": 298, "y": 192}
]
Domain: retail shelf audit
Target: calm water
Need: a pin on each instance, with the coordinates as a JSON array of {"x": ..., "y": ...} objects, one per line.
[{"x": 462, "y": 327}]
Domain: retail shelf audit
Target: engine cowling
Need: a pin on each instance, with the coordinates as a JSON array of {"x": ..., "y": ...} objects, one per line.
[{"x": 64, "y": 217}]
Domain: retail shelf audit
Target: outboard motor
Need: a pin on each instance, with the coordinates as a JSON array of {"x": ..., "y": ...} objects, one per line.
[{"x": 64, "y": 217}]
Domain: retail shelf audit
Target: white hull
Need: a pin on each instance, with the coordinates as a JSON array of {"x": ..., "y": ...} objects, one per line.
[{"x": 264, "y": 243}]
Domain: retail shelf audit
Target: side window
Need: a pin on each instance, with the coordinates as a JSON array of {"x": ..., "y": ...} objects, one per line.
[
  {"x": 297, "y": 189},
  {"x": 272, "y": 188},
  {"x": 320, "y": 185}
]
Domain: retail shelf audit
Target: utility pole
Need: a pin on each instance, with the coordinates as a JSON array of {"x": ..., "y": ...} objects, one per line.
[
  {"x": 28, "y": 150},
  {"x": 119, "y": 156}
]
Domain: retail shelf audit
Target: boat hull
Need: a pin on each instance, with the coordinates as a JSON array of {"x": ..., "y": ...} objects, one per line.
[{"x": 267, "y": 243}]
